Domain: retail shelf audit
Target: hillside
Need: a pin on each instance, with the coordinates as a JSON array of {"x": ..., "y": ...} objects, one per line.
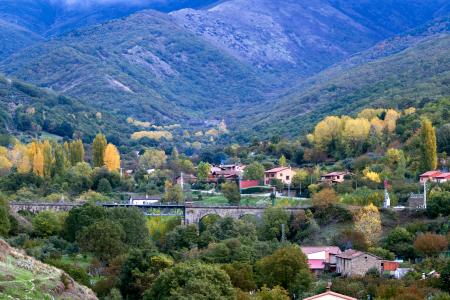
[
  {"x": 23, "y": 277},
  {"x": 407, "y": 70},
  {"x": 28, "y": 111},
  {"x": 300, "y": 38},
  {"x": 144, "y": 66}
]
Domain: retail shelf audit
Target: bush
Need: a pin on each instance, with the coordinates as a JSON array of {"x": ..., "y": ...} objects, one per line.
[
  {"x": 231, "y": 191},
  {"x": 351, "y": 239},
  {"x": 430, "y": 244},
  {"x": 77, "y": 273},
  {"x": 256, "y": 190},
  {"x": 332, "y": 214}
]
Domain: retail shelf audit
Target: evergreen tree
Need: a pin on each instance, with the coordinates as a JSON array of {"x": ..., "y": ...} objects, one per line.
[
  {"x": 428, "y": 144},
  {"x": 111, "y": 158},
  {"x": 98, "y": 150}
]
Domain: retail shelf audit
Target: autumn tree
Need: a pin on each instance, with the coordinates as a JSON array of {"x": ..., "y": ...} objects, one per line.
[
  {"x": 152, "y": 158},
  {"x": 21, "y": 158},
  {"x": 37, "y": 158},
  {"x": 325, "y": 197},
  {"x": 5, "y": 163},
  {"x": 112, "y": 158},
  {"x": 327, "y": 133},
  {"x": 355, "y": 134},
  {"x": 47, "y": 153},
  {"x": 428, "y": 146},
  {"x": 98, "y": 150},
  {"x": 368, "y": 222},
  {"x": 430, "y": 244}
]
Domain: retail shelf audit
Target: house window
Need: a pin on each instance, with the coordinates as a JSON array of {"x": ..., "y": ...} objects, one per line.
[{"x": 287, "y": 177}]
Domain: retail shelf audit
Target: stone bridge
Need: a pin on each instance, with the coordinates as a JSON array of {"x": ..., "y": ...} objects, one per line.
[
  {"x": 191, "y": 213},
  {"x": 195, "y": 213},
  {"x": 38, "y": 207}
]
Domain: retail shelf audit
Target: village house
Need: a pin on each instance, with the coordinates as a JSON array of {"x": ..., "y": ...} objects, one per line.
[
  {"x": 284, "y": 174},
  {"x": 334, "y": 177},
  {"x": 227, "y": 172},
  {"x": 187, "y": 179},
  {"x": 356, "y": 263},
  {"x": 321, "y": 259},
  {"x": 434, "y": 176}
]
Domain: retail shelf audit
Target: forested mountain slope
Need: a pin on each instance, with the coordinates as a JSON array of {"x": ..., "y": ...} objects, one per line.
[
  {"x": 143, "y": 66},
  {"x": 408, "y": 70},
  {"x": 28, "y": 111},
  {"x": 300, "y": 38}
]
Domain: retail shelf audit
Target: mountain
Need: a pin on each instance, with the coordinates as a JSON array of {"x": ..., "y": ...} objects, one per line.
[
  {"x": 407, "y": 70},
  {"x": 144, "y": 66},
  {"x": 25, "y": 22},
  {"x": 260, "y": 65},
  {"x": 301, "y": 38}
]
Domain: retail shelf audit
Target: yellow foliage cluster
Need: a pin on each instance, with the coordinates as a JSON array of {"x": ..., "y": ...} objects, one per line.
[
  {"x": 368, "y": 222},
  {"x": 167, "y": 127},
  {"x": 154, "y": 135},
  {"x": 138, "y": 123},
  {"x": 373, "y": 176},
  {"x": 212, "y": 132},
  {"x": 111, "y": 158}
]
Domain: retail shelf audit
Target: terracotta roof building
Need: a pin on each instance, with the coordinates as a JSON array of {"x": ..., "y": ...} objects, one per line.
[{"x": 284, "y": 174}]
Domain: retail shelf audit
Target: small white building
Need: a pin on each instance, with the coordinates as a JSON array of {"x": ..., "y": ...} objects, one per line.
[{"x": 144, "y": 201}]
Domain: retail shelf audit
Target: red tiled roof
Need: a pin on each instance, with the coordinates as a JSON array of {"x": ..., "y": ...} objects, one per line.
[
  {"x": 430, "y": 174},
  {"x": 390, "y": 265},
  {"x": 443, "y": 176},
  {"x": 276, "y": 170}
]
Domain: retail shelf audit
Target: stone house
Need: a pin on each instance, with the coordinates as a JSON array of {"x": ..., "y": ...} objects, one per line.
[{"x": 357, "y": 263}]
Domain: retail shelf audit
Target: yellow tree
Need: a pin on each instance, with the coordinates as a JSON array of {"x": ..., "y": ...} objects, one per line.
[
  {"x": 429, "y": 148},
  {"x": 47, "y": 153},
  {"x": 282, "y": 161},
  {"x": 5, "y": 163},
  {"x": 20, "y": 158},
  {"x": 38, "y": 162},
  {"x": 355, "y": 134},
  {"x": 111, "y": 158},
  {"x": 327, "y": 131},
  {"x": 390, "y": 120},
  {"x": 368, "y": 222}
]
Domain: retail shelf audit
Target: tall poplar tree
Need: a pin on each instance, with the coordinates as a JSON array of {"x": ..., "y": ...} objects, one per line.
[
  {"x": 98, "y": 150},
  {"x": 112, "y": 158},
  {"x": 428, "y": 146},
  {"x": 59, "y": 166},
  {"x": 47, "y": 153},
  {"x": 76, "y": 152}
]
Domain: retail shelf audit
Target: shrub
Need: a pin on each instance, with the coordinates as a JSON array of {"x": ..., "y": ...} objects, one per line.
[
  {"x": 231, "y": 191},
  {"x": 332, "y": 214},
  {"x": 325, "y": 197},
  {"x": 430, "y": 244}
]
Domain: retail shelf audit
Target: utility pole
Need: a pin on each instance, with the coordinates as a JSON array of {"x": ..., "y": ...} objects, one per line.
[
  {"x": 182, "y": 181},
  {"x": 425, "y": 194}
]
